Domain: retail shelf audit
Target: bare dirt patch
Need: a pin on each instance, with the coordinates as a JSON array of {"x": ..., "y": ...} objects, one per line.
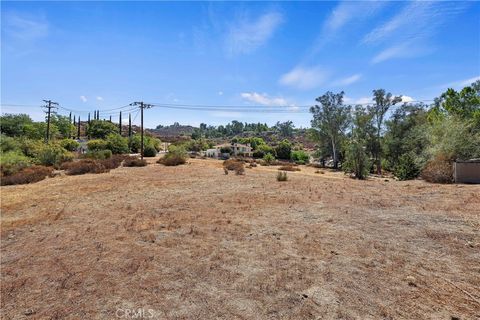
[{"x": 190, "y": 242}]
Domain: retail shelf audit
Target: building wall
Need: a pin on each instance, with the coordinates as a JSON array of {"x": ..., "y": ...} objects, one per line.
[{"x": 466, "y": 172}]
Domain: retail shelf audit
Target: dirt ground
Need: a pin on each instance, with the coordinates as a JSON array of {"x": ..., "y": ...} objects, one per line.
[{"x": 189, "y": 242}]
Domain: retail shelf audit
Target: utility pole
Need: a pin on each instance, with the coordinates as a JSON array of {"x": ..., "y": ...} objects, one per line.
[
  {"x": 142, "y": 106},
  {"x": 120, "y": 123},
  {"x": 78, "y": 128},
  {"x": 50, "y": 105},
  {"x": 129, "y": 125},
  {"x": 70, "y": 125}
]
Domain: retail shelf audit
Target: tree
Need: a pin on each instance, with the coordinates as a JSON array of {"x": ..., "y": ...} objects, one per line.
[
  {"x": 464, "y": 104},
  {"x": 356, "y": 161},
  {"x": 331, "y": 118},
  {"x": 285, "y": 128},
  {"x": 284, "y": 150},
  {"x": 383, "y": 102},
  {"x": 99, "y": 129},
  {"x": 13, "y": 124},
  {"x": 116, "y": 143},
  {"x": 405, "y": 134},
  {"x": 64, "y": 125}
]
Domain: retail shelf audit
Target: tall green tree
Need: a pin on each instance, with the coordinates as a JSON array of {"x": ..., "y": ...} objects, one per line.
[
  {"x": 383, "y": 102},
  {"x": 285, "y": 128},
  {"x": 331, "y": 118}
]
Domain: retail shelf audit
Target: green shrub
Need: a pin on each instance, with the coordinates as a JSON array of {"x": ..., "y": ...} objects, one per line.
[
  {"x": 69, "y": 144},
  {"x": 9, "y": 144},
  {"x": 406, "y": 169},
  {"x": 175, "y": 156},
  {"x": 97, "y": 144},
  {"x": 269, "y": 159},
  {"x": 356, "y": 161},
  {"x": 27, "y": 175},
  {"x": 100, "y": 129},
  {"x": 282, "y": 176},
  {"x": 98, "y": 154},
  {"x": 117, "y": 144},
  {"x": 300, "y": 157},
  {"x": 52, "y": 154},
  {"x": 149, "y": 151},
  {"x": 284, "y": 150},
  {"x": 12, "y": 162},
  {"x": 31, "y": 147}
]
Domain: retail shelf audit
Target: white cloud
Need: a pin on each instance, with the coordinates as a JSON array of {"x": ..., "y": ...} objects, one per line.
[
  {"x": 408, "y": 32},
  {"x": 220, "y": 93},
  {"x": 83, "y": 98},
  {"x": 348, "y": 80},
  {"x": 263, "y": 99},
  {"x": 99, "y": 98},
  {"x": 407, "y": 99},
  {"x": 246, "y": 36},
  {"x": 25, "y": 28},
  {"x": 403, "y": 50},
  {"x": 461, "y": 83},
  {"x": 304, "y": 78},
  {"x": 348, "y": 11},
  {"x": 344, "y": 14}
]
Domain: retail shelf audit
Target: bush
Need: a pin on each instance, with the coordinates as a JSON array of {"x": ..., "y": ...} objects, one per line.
[
  {"x": 406, "y": 169},
  {"x": 269, "y": 159},
  {"x": 98, "y": 154},
  {"x": 9, "y": 144},
  {"x": 12, "y": 162},
  {"x": 284, "y": 150},
  {"x": 113, "y": 162},
  {"x": 69, "y": 144},
  {"x": 96, "y": 145},
  {"x": 438, "y": 170},
  {"x": 356, "y": 160},
  {"x": 289, "y": 168},
  {"x": 84, "y": 166},
  {"x": 300, "y": 157},
  {"x": 175, "y": 156},
  {"x": 52, "y": 154},
  {"x": 134, "y": 162},
  {"x": 149, "y": 151},
  {"x": 282, "y": 176},
  {"x": 100, "y": 129},
  {"x": 117, "y": 144},
  {"x": 27, "y": 175},
  {"x": 234, "y": 165},
  {"x": 30, "y": 147}
]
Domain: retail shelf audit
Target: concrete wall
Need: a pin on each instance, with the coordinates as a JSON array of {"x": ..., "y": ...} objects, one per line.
[{"x": 466, "y": 172}]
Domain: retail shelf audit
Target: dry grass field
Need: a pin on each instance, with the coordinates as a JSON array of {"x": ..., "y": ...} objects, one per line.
[{"x": 190, "y": 242}]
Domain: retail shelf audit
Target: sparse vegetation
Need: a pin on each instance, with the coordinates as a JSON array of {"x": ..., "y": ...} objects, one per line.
[
  {"x": 234, "y": 165},
  {"x": 438, "y": 170},
  {"x": 83, "y": 166},
  {"x": 175, "y": 156},
  {"x": 134, "y": 162},
  {"x": 289, "y": 168},
  {"x": 282, "y": 176},
  {"x": 27, "y": 175}
]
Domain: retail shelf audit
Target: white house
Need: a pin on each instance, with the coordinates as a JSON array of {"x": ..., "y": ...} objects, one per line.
[{"x": 237, "y": 149}]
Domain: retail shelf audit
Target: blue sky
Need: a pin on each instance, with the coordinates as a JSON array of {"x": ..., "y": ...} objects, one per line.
[{"x": 103, "y": 55}]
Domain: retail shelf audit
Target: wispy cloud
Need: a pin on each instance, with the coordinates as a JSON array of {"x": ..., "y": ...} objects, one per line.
[
  {"x": 343, "y": 15},
  {"x": 246, "y": 35},
  {"x": 304, "y": 77},
  {"x": 460, "y": 83},
  {"x": 407, "y": 33},
  {"x": 99, "y": 98},
  {"x": 25, "y": 28},
  {"x": 263, "y": 99},
  {"x": 347, "y": 80},
  {"x": 83, "y": 98},
  {"x": 21, "y": 32}
]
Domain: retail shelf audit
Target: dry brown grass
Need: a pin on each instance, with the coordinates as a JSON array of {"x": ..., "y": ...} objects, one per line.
[
  {"x": 188, "y": 242},
  {"x": 289, "y": 167}
]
